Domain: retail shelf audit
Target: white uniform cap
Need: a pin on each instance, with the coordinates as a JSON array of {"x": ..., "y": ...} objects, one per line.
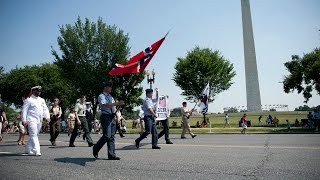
[{"x": 36, "y": 87}]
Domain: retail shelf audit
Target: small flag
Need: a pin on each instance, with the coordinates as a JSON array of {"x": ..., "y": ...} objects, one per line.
[{"x": 204, "y": 100}]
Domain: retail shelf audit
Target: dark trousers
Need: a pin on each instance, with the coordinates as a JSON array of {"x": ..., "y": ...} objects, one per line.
[
  {"x": 89, "y": 125},
  {"x": 108, "y": 124},
  {"x": 84, "y": 126},
  {"x": 54, "y": 129},
  {"x": 165, "y": 130},
  {"x": 150, "y": 127}
]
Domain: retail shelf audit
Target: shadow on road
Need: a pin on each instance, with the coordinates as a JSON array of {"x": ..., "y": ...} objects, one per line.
[
  {"x": 9, "y": 154},
  {"x": 58, "y": 147},
  {"x": 131, "y": 147},
  {"x": 78, "y": 161}
]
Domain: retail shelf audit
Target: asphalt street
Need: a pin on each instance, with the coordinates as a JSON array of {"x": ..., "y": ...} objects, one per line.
[{"x": 218, "y": 156}]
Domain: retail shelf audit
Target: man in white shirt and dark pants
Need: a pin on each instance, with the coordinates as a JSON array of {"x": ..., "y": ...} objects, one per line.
[{"x": 33, "y": 111}]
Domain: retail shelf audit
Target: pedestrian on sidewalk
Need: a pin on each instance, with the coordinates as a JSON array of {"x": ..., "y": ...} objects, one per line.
[{"x": 244, "y": 124}]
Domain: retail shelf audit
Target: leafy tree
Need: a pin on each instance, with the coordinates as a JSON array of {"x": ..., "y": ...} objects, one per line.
[
  {"x": 18, "y": 81},
  {"x": 303, "y": 108},
  {"x": 304, "y": 74},
  {"x": 232, "y": 110},
  {"x": 89, "y": 50},
  {"x": 200, "y": 66}
]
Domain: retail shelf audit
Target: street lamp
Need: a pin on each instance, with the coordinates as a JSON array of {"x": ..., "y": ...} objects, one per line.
[{"x": 149, "y": 78}]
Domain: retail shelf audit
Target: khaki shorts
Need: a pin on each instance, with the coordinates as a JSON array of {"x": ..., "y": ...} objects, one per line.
[{"x": 71, "y": 124}]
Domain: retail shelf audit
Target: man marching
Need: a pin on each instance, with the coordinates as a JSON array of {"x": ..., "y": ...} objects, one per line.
[
  {"x": 81, "y": 121},
  {"x": 165, "y": 124},
  {"x": 108, "y": 122},
  {"x": 33, "y": 111},
  {"x": 186, "y": 113},
  {"x": 55, "y": 115},
  {"x": 149, "y": 120}
]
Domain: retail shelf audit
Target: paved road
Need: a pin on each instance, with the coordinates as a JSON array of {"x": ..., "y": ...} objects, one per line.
[{"x": 255, "y": 156}]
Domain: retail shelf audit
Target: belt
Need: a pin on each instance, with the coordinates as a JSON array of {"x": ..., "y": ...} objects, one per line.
[{"x": 148, "y": 115}]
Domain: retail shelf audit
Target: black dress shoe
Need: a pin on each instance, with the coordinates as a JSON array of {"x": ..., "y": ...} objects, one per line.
[
  {"x": 121, "y": 135},
  {"x": 137, "y": 144},
  {"x": 95, "y": 154},
  {"x": 113, "y": 158},
  {"x": 183, "y": 138},
  {"x": 156, "y": 147},
  {"x": 169, "y": 142},
  {"x": 193, "y": 136},
  {"x": 53, "y": 143},
  {"x": 90, "y": 144},
  {"x": 72, "y": 145}
]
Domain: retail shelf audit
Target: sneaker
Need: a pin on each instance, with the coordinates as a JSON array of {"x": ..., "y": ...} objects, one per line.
[
  {"x": 72, "y": 145},
  {"x": 90, "y": 144},
  {"x": 53, "y": 143},
  {"x": 156, "y": 147},
  {"x": 193, "y": 136},
  {"x": 38, "y": 154}
]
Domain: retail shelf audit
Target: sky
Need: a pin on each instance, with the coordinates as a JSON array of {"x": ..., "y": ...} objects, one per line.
[{"x": 281, "y": 29}]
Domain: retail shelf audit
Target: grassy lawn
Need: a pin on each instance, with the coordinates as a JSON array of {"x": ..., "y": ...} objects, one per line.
[{"x": 217, "y": 123}]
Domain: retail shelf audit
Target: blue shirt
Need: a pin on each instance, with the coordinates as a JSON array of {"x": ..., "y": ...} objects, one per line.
[
  {"x": 105, "y": 98},
  {"x": 148, "y": 103}
]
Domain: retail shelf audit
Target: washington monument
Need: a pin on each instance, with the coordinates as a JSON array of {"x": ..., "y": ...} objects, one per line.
[{"x": 252, "y": 80}]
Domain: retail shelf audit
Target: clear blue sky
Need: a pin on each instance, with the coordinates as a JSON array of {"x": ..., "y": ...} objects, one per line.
[{"x": 281, "y": 29}]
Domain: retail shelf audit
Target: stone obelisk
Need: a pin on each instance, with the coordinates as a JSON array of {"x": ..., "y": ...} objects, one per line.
[{"x": 252, "y": 80}]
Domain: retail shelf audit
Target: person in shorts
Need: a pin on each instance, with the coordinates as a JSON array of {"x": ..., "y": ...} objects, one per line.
[{"x": 22, "y": 131}]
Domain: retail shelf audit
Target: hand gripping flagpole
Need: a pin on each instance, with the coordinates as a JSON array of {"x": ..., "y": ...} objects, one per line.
[{"x": 134, "y": 82}]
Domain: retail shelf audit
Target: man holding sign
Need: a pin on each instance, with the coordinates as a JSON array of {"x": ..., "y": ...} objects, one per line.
[
  {"x": 163, "y": 114},
  {"x": 149, "y": 120}
]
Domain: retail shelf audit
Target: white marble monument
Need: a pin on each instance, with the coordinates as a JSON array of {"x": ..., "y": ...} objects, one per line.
[{"x": 252, "y": 80}]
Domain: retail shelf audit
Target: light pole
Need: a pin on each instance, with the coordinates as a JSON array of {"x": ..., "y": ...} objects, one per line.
[{"x": 149, "y": 78}]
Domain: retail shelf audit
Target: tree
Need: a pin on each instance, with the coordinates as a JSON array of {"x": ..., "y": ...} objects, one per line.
[
  {"x": 303, "y": 108},
  {"x": 18, "y": 81},
  {"x": 304, "y": 74},
  {"x": 89, "y": 50},
  {"x": 232, "y": 110},
  {"x": 200, "y": 66}
]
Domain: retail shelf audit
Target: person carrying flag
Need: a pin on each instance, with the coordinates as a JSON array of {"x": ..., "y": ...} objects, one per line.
[{"x": 186, "y": 113}]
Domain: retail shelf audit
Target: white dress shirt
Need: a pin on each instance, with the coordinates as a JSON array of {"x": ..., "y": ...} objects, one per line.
[{"x": 34, "y": 109}]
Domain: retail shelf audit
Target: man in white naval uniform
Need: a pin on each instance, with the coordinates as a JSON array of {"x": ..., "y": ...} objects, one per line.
[{"x": 33, "y": 111}]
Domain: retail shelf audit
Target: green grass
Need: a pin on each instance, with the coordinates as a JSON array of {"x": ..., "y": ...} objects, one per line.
[{"x": 217, "y": 123}]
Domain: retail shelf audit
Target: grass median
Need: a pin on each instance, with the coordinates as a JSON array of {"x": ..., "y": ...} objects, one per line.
[{"x": 217, "y": 123}]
